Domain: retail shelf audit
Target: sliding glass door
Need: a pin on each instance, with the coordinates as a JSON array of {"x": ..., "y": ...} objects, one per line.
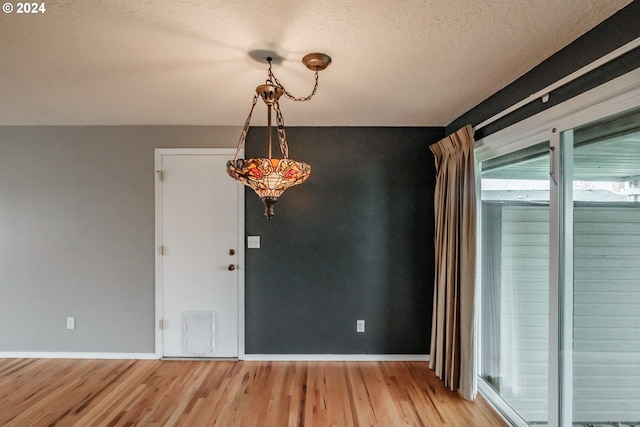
[
  {"x": 515, "y": 279},
  {"x": 559, "y": 280},
  {"x": 605, "y": 314}
]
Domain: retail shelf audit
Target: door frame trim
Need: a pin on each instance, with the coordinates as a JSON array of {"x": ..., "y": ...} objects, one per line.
[{"x": 230, "y": 152}]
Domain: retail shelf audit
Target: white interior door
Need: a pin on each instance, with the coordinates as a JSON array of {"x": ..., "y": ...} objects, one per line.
[{"x": 199, "y": 215}]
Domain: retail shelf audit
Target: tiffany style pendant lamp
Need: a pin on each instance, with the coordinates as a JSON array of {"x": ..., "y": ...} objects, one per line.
[{"x": 269, "y": 177}]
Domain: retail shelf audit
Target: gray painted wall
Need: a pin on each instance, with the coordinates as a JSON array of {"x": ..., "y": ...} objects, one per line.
[
  {"x": 77, "y": 234},
  {"x": 355, "y": 241},
  {"x": 77, "y": 239}
]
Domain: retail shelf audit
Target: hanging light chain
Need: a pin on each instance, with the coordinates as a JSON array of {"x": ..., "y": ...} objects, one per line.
[
  {"x": 284, "y": 147},
  {"x": 282, "y": 137},
  {"x": 245, "y": 129},
  {"x": 273, "y": 78}
]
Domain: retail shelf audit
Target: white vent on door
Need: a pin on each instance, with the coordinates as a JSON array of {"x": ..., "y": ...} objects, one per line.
[{"x": 198, "y": 333}]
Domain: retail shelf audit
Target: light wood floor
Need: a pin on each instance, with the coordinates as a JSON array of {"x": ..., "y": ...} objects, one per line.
[{"x": 48, "y": 392}]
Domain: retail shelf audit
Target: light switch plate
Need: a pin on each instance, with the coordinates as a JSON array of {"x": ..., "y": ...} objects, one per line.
[{"x": 253, "y": 242}]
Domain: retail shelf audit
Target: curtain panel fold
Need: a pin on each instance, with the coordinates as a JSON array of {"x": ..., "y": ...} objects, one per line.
[{"x": 452, "y": 334}]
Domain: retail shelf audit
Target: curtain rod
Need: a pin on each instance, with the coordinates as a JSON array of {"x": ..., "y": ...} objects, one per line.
[{"x": 544, "y": 93}]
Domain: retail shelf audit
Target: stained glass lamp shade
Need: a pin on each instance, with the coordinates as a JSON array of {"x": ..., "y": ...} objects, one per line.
[{"x": 268, "y": 177}]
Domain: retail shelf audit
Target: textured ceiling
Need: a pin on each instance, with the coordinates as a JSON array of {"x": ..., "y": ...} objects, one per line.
[{"x": 395, "y": 63}]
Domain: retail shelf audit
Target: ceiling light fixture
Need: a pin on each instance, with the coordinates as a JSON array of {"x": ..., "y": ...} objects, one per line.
[{"x": 267, "y": 176}]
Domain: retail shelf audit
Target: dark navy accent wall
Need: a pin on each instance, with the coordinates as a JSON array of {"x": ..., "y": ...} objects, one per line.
[
  {"x": 355, "y": 241},
  {"x": 620, "y": 29}
]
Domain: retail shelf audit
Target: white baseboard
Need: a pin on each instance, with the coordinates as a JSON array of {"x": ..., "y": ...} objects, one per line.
[
  {"x": 74, "y": 355},
  {"x": 338, "y": 357},
  {"x": 248, "y": 357}
]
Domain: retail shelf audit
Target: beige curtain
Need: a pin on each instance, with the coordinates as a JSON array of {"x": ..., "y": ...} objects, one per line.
[{"x": 452, "y": 333}]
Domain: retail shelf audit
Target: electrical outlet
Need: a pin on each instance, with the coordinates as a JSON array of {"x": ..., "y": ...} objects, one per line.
[
  {"x": 71, "y": 322},
  {"x": 359, "y": 325}
]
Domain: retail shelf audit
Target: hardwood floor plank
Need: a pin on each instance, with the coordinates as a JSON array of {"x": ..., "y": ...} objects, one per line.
[{"x": 124, "y": 393}]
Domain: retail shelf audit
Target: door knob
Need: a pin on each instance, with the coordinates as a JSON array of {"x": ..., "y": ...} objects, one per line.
[{"x": 232, "y": 267}]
